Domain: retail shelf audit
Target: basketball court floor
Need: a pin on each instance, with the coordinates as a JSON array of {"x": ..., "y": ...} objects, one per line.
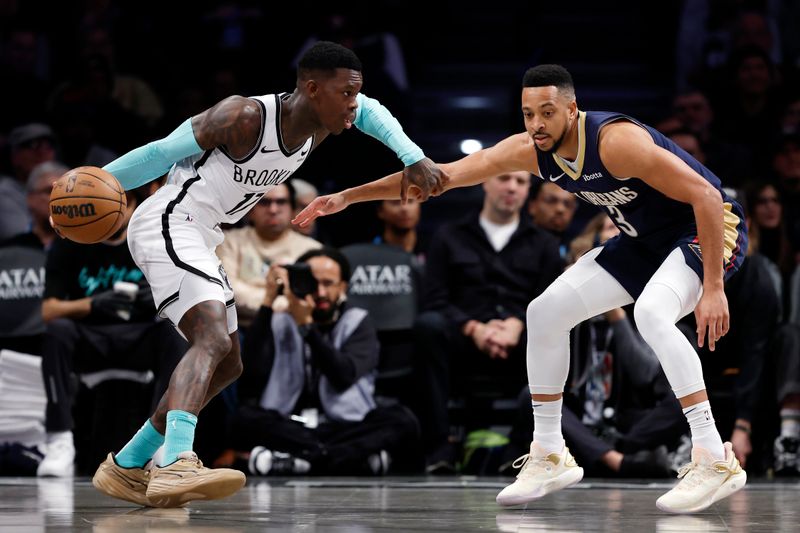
[{"x": 363, "y": 505}]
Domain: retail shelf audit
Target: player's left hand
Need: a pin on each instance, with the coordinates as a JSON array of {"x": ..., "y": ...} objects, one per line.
[
  {"x": 320, "y": 207},
  {"x": 427, "y": 176},
  {"x": 712, "y": 316}
]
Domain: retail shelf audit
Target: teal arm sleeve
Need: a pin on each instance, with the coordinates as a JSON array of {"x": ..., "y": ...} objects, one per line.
[
  {"x": 146, "y": 163},
  {"x": 376, "y": 121}
]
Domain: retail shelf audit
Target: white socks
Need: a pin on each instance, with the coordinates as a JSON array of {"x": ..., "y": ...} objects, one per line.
[
  {"x": 547, "y": 425},
  {"x": 704, "y": 431},
  {"x": 790, "y": 423}
]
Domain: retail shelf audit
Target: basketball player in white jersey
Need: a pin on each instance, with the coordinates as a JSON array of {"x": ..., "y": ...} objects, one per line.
[{"x": 220, "y": 163}]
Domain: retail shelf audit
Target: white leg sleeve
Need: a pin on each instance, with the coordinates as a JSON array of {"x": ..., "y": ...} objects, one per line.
[
  {"x": 584, "y": 290},
  {"x": 671, "y": 293}
]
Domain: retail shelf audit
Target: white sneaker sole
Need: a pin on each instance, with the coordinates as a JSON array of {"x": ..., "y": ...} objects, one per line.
[
  {"x": 563, "y": 481},
  {"x": 734, "y": 484}
]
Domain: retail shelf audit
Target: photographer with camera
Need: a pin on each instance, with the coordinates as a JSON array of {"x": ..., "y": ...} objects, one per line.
[{"x": 306, "y": 392}]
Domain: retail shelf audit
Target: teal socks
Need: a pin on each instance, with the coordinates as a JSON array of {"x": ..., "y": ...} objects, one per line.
[
  {"x": 180, "y": 435},
  {"x": 140, "y": 448}
]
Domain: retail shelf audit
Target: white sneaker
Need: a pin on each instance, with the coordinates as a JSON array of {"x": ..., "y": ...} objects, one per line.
[
  {"x": 263, "y": 462},
  {"x": 59, "y": 461},
  {"x": 703, "y": 482},
  {"x": 379, "y": 462},
  {"x": 541, "y": 473}
]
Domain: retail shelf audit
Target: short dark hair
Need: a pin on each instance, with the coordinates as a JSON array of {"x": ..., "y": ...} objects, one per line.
[
  {"x": 332, "y": 253},
  {"x": 325, "y": 55},
  {"x": 547, "y": 75}
]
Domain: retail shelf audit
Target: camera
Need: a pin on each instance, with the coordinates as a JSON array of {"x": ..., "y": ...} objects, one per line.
[{"x": 301, "y": 280}]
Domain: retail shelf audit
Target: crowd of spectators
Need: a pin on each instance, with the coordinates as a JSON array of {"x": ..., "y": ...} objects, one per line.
[{"x": 403, "y": 327}]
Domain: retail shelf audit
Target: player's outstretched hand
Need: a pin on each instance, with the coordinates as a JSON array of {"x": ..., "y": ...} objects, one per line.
[
  {"x": 712, "y": 316},
  {"x": 319, "y": 207},
  {"x": 424, "y": 178}
]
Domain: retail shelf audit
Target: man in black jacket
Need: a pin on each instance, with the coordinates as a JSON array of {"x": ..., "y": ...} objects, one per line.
[
  {"x": 481, "y": 273},
  {"x": 308, "y": 382}
]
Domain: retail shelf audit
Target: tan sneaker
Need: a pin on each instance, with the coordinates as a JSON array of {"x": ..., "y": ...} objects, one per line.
[
  {"x": 703, "y": 482},
  {"x": 129, "y": 484},
  {"x": 187, "y": 479},
  {"x": 541, "y": 473}
]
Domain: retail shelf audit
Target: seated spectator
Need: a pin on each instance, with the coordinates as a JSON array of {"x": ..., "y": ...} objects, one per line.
[
  {"x": 619, "y": 413},
  {"x": 386, "y": 281},
  {"x": 92, "y": 327},
  {"x": 247, "y": 253},
  {"x": 768, "y": 233},
  {"x": 751, "y": 95},
  {"x": 769, "y": 245},
  {"x": 22, "y": 260},
  {"x": 306, "y": 392},
  {"x": 731, "y": 162},
  {"x": 400, "y": 223},
  {"x": 481, "y": 274},
  {"x": 29, "y": 145},
  {"x": 552, "y": 209}
]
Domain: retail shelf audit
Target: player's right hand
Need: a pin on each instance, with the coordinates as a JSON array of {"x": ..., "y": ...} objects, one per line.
[
  {"x": 53, "y": 225},
  {"x": 320, "y": 207},
  {"x": 422, "y": 180}
]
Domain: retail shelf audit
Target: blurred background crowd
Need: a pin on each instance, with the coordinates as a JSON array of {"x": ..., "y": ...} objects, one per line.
[{"x": 414, "y": 359}]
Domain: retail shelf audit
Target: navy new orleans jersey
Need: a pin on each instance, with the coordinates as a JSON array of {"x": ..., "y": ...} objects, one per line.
[{"x": 651, "y": 224}]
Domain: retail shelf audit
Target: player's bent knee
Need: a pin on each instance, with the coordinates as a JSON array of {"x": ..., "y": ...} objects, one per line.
[
  {"x": 650, "y": 320},
  {"x": 544, "y": 314},
  {"x": 216, "y": 342}
]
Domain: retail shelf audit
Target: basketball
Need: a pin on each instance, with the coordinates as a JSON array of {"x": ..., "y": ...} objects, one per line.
[{"x": 87, "y": 205}]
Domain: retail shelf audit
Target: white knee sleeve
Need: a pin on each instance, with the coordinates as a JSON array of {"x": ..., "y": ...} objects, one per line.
[
  {"x": 583, "y": 291},
  {"x": 671, "y": 293}
]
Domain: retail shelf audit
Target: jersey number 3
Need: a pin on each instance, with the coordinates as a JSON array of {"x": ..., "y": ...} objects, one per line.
[{"x": 620, "y": 221}]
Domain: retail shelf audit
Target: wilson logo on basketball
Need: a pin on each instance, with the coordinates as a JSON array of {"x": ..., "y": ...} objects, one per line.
[{"x": 74, "y": 210}]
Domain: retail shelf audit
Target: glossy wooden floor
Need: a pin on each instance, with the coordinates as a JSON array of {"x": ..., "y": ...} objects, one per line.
[{"x": 362, "y": 505}]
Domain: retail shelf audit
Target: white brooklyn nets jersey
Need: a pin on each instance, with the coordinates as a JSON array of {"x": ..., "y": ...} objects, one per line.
[
  {"x": 220, "y": 188},
  {"x": 175, "y": 232}
]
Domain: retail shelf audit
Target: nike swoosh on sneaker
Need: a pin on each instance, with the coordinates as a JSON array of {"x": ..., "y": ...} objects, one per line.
[
  {"x": 304, "y": 153},
  {"x": 557, "y": 177},
  {"x": 265, "y": 151}
]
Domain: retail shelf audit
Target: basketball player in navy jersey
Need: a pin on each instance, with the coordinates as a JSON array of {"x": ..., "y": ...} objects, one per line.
[
  {"x": 220, "y": 163},
  {"x": 681, "y": 237}
]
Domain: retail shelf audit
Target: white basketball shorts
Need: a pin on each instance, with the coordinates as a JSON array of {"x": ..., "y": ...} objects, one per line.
[{"x": 176, "y": 253}]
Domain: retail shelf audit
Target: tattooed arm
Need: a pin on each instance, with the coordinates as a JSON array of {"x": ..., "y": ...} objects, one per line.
[{"x": 234, "y": 123}]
